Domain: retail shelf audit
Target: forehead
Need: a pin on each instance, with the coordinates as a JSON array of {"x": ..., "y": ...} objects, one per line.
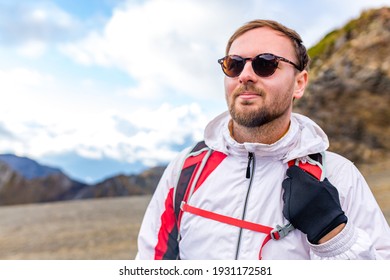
[{"x": 262, "y": 40}]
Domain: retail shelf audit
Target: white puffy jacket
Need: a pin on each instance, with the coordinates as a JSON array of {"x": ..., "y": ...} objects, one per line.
[{"x": 227, "y": 191}]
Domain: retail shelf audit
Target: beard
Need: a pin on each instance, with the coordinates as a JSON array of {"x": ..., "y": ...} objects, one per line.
[
  {"x": 247, "y": 114},
  {"x": 252, "y": 118}
]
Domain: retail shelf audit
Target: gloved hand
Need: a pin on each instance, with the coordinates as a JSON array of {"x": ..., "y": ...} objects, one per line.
[{"x": 312, "y": 206}]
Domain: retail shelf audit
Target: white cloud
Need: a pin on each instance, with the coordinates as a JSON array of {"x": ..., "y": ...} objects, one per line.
[
  {"x": 43, "y": 122},
  {"x": 43, "y": 21},
  {"x": 156, "y": 132},
  {"x": 164, "y": 45},
  {"x": 19, "y": 79},
  {"x": 32, "y": 49}
]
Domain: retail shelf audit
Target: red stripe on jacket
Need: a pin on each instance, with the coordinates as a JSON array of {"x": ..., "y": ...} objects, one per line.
[{"x": 168, "y": 222}]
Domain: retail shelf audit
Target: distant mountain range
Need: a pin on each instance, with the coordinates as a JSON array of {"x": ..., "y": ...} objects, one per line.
[
  {"x": 28, "y": 168},
  {"x": 23, "y": 180}
]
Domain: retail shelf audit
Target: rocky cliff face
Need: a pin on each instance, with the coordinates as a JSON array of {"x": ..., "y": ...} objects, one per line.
[{"x": 349, "y": 89}]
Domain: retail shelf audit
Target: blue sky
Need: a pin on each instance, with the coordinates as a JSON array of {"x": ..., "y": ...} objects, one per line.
[{"x": 104, "y": 87}]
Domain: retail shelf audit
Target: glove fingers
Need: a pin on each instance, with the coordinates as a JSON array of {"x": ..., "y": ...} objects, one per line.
[{"x": 312, "y": 206}]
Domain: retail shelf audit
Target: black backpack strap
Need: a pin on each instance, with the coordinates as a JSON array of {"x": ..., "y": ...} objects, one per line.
[
  {"x": 186, "y": 173},
  {"x": 199, "y": 146},
  {"x": 317, "y": 157},
  {"x": 185, "y": 177}
]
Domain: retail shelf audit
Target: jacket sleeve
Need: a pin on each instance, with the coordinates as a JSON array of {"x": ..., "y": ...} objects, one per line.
[
  {"x": 367, "y": 233},
  {"x": 157, "y": 237}
]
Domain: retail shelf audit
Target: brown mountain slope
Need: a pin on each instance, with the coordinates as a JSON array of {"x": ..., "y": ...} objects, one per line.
[
  {"x": 16, "y": 189},
  {"x": 349, "y": 89}
]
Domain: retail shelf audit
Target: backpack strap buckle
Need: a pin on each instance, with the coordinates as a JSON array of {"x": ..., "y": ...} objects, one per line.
[{"x": 280, "y": 232}]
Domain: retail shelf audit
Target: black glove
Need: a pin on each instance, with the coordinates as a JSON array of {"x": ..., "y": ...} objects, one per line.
[{"x": 312, "y": 206}]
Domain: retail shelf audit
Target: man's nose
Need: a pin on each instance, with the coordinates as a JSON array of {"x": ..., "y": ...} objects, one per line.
[{"x": 247, "y": 74}]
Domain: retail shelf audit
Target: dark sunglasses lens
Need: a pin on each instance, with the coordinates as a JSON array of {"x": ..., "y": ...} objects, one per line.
[
  {"x": 265, "y": 65},
  {"x": 233, "y": 65}
]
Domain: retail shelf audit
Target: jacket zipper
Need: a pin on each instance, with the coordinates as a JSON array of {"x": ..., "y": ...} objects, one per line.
[
  {"x": 248, "y": 175},
  {"x": 248, "y": 168}
]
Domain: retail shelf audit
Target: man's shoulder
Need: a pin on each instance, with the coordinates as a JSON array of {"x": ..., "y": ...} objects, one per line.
[
  {"x": 337, "y": 165},
  {"x": 336, "y": 160}
]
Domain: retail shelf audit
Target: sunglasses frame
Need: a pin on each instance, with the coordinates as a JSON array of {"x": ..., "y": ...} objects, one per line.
[{"x": 276, "y": 59}]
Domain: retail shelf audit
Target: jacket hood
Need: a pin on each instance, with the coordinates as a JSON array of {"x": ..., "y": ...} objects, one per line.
[{"x": 304, "y": 137}]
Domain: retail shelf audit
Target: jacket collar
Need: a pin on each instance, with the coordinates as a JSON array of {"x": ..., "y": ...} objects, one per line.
[{"x": 304, "y": 137}]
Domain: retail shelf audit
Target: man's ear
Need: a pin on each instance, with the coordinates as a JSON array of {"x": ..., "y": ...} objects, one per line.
[{"x": 301, "y": 81}]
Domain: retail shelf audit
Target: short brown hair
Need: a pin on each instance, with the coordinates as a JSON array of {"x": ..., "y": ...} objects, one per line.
[{"x": 300, "y": 49}]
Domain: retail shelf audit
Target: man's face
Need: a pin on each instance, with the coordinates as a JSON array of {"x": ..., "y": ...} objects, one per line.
[{"x": 253, "y": 100}]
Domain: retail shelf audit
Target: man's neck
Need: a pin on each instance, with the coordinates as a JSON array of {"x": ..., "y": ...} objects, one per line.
[{"x": 266, "y": 134}]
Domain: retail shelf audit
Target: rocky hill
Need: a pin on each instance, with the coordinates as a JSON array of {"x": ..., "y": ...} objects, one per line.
[
  {"x": 349, "y": 89},
  {"x": 124, "y": 185},
  {"x": 20, "y": 185},
  {"x": 15, "y": 188}
]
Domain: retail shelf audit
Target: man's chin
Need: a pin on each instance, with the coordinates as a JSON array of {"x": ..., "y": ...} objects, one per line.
[{"x": 247, "y": 109}]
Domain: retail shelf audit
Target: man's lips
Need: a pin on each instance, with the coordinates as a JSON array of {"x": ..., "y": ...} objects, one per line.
[{"x": 248, "y": 95}]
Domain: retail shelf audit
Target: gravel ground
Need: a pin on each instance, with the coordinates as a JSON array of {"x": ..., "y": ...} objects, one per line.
[
  {"x": 78, "y": 230},
  {"x": 103, "y": 228}
]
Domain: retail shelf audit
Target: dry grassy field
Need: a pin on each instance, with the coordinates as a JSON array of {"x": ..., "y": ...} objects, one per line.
[
  {"x": 87, "y": 229},
  {"x": 103, "y": 228}
]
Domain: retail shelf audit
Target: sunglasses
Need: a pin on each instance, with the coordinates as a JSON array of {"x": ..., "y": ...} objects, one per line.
[{"x": 264, "y": 65}]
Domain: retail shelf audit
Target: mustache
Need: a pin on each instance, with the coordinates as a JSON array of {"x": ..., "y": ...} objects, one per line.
[{"x": 246, "y": 88}]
